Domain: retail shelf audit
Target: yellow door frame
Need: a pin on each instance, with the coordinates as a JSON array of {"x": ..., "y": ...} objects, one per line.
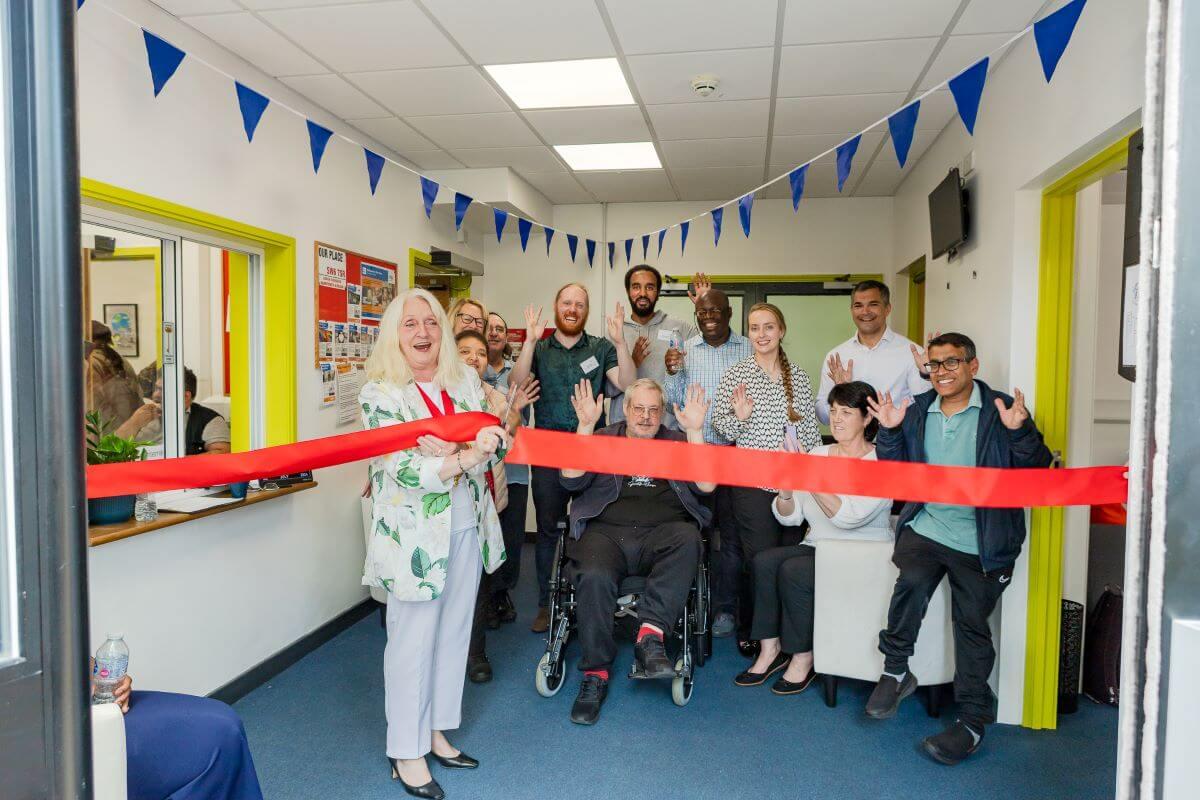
[
  {"x": 279, "y": 307},
  {"x": 916, "y": 299},
  {"x": 1052, "y": 395}
]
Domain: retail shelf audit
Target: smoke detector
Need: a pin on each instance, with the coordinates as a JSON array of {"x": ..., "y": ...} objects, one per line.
[{"x": 706, "y": 85}]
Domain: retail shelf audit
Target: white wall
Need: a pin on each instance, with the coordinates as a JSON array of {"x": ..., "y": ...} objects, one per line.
[{"x": 201, "y": 603}]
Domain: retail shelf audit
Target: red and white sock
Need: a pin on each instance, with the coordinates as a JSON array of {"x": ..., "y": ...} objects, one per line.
[
  {"x": 649, "y": 630},
  {"x": 599, "y": 673}
]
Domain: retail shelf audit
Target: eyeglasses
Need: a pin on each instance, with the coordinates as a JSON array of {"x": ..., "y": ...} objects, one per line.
[
  {"x": 467, "y": 318},
  {"x": 704, "y": 313},
  {"x": 646, "y": 411},
  {"x": 950, "y": 365}
]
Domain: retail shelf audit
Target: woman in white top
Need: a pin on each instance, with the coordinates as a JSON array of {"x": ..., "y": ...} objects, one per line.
[
  {"x": 434, "y": 527},
  {"x": 784, "y": 576}
]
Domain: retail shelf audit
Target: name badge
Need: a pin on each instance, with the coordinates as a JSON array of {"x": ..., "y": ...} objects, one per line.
[
  {"x": 589, "y": 365},
  {"x": 665, "y": 335}
]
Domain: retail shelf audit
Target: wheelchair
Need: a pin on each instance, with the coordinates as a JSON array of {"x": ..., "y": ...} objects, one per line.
[{"x": 690, "y": 643}]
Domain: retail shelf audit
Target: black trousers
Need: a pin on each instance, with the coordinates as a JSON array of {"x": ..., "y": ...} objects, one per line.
[
  {"x": 604, "y": 555},
  {"x": 973, "y": 595},
  {"x": 757, "y": 530},
  {"x": 724, "y": 536},
  {"x": 550, "y": 502},
  {"x": 512, "y": 525},
  {"x": 783, "y": 596}
]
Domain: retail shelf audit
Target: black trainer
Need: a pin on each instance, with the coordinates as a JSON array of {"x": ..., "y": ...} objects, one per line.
[
  {"x": 888, "y": 693},
  {"x": 651, "y": 655},
  {"x": 505, "y": 610},
  {"x": 953, "y": 744},
  {"x": 591, "y": 696},
  {"x": 479, "y": 669}
]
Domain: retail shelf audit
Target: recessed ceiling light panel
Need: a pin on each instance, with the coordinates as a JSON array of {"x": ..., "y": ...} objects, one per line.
[
  {"x": 619, "y": 155},
  {"x": 563, "y": 84}
]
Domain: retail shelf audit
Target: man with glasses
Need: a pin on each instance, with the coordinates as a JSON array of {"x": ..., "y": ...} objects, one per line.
[{"x": 963, "y": 422}]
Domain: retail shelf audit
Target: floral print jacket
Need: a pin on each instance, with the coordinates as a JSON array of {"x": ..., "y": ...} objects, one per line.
[{"x": 408, "y": 550}]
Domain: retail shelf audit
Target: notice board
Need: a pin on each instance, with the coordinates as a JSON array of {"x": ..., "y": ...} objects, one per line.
[{"x": 351, "y": 291}]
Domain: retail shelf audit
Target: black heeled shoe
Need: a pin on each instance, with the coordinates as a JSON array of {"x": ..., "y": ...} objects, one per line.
[
  {"x": 749, "y": 678},
  {"x": 749, "y": 647},
  {"x": 430, "y": 791},
  {"x": 460, "y": 761}
]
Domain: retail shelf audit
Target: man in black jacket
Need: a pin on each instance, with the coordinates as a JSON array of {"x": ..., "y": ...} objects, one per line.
[
  {"x": 962, "y": 422},
  {"x": 624, "y": 525}
]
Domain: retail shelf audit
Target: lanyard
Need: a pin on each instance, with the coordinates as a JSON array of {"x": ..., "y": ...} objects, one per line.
[{"x": 447, "y": 403}]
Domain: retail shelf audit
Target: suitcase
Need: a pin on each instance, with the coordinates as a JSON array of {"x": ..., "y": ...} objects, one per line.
[{"x": 1102, "y": 651}]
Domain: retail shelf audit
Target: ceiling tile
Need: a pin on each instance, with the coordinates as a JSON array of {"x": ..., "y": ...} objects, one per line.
[
  {"x": 936, "y": 111},
  {"x": 531, "y": 30},
  {"x": 712, "y": 120},
  {"x": 590, "y": 125},
  {"x": 255, "y": 41},
  {"x": 706, "y": 153},
  {"x": 184, "y": 7},
  {"x": 961, "y": 52},
  {"x": 817, "y": 21},
  {"x": 524, "y": 159},
  {"x": 838, "y": 114},
  {"x": 358, "y": 38},
  {"x": 558, "y": 187},
  {"x": 435, "y": 159},
  {"x": 420, "y": 92},
  {"x": 262, "y": 5},
  {"x": 646, "y": 186},
  {"x": 988, "y": 16},
  {"x": 393, "y": 133},
  {"x": 852, "y": 68},
  {"x": 461, "y": 131},
  {"x": 719, "y": 184},
  {"x": 793, "y": 150},
  {"x": 334, "y": 94},
  {"x": 676, "y": 26},
  {"x": 667, "y": 78}
]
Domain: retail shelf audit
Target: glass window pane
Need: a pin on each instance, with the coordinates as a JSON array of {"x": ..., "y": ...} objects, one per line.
[
  {"x": 680, "y": 306},
  {"x": 816, "y": 324},
  {"x": 213, "y": 294}
]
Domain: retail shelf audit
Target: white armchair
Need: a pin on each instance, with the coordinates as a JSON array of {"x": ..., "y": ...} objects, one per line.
[
  {"x": 108, "y": 753},
  {"x": 854, "y": 582},
  {"x": 377, "y": 593}
]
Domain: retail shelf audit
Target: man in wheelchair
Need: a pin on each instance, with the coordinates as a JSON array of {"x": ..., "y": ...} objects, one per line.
[{"x": 625, "y": 525}]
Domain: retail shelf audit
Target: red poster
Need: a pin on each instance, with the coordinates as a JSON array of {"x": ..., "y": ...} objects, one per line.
[{"x": 352, "y": 291}]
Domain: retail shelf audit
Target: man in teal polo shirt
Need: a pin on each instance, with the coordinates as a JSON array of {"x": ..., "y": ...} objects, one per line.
[
  {"x": 962, "y": 422},
  {"x": 559, "y": 362}
]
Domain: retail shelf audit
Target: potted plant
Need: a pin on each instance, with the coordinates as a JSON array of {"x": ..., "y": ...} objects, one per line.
[{"x": 108, "y": 448}]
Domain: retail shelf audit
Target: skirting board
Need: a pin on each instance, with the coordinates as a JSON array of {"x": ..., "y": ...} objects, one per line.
[{"x": 259, "y": 674}]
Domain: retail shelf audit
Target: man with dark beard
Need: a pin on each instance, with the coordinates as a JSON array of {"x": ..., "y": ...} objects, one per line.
[
  {"x": 559, "y": 363},
  {"x": 649, "y": 334}
]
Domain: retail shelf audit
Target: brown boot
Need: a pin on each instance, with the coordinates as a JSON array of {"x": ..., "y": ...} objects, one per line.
[{"x": 541, "y": 623}]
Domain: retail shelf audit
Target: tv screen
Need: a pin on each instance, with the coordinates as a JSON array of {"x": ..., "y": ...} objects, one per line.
[{"x": 947, "y": 215}]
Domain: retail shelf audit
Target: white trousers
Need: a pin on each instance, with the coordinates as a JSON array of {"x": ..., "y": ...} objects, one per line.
[{"x": 425, "y": 661}]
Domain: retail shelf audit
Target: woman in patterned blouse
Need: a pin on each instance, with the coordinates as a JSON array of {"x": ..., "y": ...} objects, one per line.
[{"x": 758, "y": 400}]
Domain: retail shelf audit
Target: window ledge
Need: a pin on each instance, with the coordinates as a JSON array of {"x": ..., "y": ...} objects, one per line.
[{"x": 103, "y": 534}]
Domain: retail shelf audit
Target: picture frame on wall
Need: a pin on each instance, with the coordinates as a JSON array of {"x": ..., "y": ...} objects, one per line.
[{"x": 122, "y": 320}]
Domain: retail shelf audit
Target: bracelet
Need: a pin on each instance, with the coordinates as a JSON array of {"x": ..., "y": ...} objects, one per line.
[{"x": 458, "y": 458}]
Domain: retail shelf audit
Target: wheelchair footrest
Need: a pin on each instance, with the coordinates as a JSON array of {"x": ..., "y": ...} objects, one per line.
[{"x": 638, "y": 674}]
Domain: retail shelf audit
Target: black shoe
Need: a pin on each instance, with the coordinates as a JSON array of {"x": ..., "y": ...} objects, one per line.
[
  {"x": 491, "y": 620},
  {"x": 591, "y": 696},
  {"x": 785, "y": 687},
  {"x": 749, "y": 678},
  {"x": 651, "y": 655},
  {"x": 506, "y": 612},
  {"x": 749, "y": 647},
  {"x": 479, "y": 669},
  {"x": 888, "y": 693},
  {"x": 431, "y": 790},
  {"x": 953, "y": 744},
  {"x": 460, "y": 761}
]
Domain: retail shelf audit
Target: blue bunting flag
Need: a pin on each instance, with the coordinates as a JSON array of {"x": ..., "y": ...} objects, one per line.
[
  {"x": 901, "y": 125},
  {"x": 429, "y": 190},
  {"x": 1052, "y": 34},
  {"x": 524, "y": 226},
  {"x": 684, "y": 227},
  {"x": 461, "y": 203},
  {"x": 252, "y": 105},
  {"x": 591, "y": 251},
  {"x": 549, "y": 236},
  {"x": 164, "y": 59},
  {"x": 967, "y": 88},
  {"x": 645, "y": 246},
  {"x": 318, "y": 137},
  {"x": 612, "y": 249},
  {"x": 629, "y": 251},
  {"x": 796, "y": 179},
  {"x": 501, "y": 218},
  {"x": 374, "y": 168},
  {"x": 572, "y": 245},
  {"x": 745, "y": 204},
  {"x": 718, "y": 215},
  {"x": 845, "y": 159},
  {"x": 661, "y": 235}
]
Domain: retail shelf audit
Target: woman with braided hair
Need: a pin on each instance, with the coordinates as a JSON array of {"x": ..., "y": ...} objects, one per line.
[{"x": 760, "y": 401}]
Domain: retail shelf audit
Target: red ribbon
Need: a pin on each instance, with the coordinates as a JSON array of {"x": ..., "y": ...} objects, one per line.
[{"x": 972, "y": 486}]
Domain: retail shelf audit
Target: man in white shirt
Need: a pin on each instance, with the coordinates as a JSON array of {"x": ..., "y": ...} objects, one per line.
[{"x": 876, "y": 354}]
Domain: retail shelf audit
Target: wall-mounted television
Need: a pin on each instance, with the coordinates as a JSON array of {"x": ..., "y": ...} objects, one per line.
[{"x": 948, "y": 215}]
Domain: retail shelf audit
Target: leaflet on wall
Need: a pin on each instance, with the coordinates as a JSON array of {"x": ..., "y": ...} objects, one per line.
[
  {"x": 324, "y": 340},
  {"x": 331, "y": 267},
  {"x": 356, "y": 333},
  {"x": 349, "y": 384},
  {"x": 328, "y": 384},
  {"x": 340, "y": 340},
  {"x": 353, "y": 302},
  {"x": 378, "y": 289}
]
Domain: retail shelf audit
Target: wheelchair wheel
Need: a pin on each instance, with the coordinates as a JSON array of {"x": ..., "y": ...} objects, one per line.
[
  {"x": 681, "y": 686},
  {"x": 548, "y": 685}
]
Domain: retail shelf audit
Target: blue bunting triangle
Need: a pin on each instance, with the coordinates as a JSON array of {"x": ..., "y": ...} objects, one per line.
[
  {"x": 524, "y": 226},
  {"x": 661, "y": 235},
  {"x": 745, "y": 204},
  {"x": 79, "y": 5},
  {"x": 572, "y": 245},
  {"x": 629, "y": 251},
  {"x": 549, "y": 236},
  {"x": 967, "y": 88},
  {"x": 318, "y": 137},
  {"x": 164, "y": 59},
  {"x": 501, "y": 217},
  {"x": 429, "y": 190},
  {"x": 718, "y": 215},
  {"x": 252, "y": 105},
  {"x": 901, "y": 125},
  {"x": 796, "y": 179},
  {"x": 845, "y": 159},
  {"x": 591, "y": 251},
  {"x": 612, "y": 249},
  {"x": 645, "y": 246},
  {"x": 1052, "y": 34},
  {"x": 684, "y": 227},
  {"x": 461, "y": 203},
  {"x": 374, "y": 168}
]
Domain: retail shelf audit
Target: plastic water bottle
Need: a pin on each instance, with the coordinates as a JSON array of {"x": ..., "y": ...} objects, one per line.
[
  {"x": 145, "y": 508},
  {"x": 112, "y": 662}
]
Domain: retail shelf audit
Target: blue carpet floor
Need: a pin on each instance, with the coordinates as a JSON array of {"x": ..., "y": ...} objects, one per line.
[{"x": 317, "y": 731}]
